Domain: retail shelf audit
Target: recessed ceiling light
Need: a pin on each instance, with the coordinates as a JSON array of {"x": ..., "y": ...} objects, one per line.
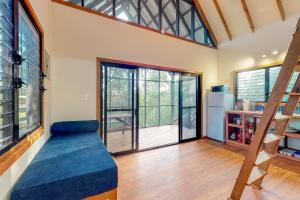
[
  {"x": 264, "y": 55},
  {"x": 275, "y": 52}
]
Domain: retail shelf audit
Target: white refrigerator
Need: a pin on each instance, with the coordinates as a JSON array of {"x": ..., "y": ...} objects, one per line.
[{"x": 217, "y": 105}]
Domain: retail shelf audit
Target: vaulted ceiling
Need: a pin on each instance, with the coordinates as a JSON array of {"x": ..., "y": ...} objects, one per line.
[{"x": 262, "y": 12}]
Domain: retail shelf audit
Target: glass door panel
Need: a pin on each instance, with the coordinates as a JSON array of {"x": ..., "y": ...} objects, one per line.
[
  {"x": 119, "y": 117},
  {"x": 188, "y": 106},
  {"x": 158, "y": 108}
]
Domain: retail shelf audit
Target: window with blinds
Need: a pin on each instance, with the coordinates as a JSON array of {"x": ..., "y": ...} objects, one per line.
[
  {"x": 258, "y": 84},
  {"x": 251, "y": 85},
  {"x": 20, "y": 74},
  {"x": 273, "y": 74},
  {"x": 6, "y": 74},
  {"x": 29, "y": 72}
]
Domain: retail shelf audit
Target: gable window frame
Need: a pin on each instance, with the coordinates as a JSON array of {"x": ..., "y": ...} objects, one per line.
[
  {"x": 17, "y": 7},
  {"x": 158, "y": 19}
]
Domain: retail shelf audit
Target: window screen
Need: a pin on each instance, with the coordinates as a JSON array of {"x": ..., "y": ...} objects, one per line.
[
  {"x": 6, "y": 87},
  {"x": 158, "y": 97},
  {"x": 76, "y": 2},
  {"x": 169, "y": 16},
  {"x": 127, "y": 10},
  {"x": 103, "y": 6},
  {"x": 185, "y": 19},
  {"x": 29, "y": 72},
  {"x": 251, "y": 85},
  {"x": 150, "y": 13},
  {"x": 199, "y": 31}
]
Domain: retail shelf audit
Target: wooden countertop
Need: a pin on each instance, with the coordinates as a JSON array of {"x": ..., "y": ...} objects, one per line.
[{"x": 258, "y": 113}]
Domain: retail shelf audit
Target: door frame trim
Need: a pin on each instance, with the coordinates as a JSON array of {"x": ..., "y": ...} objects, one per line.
[{"x": 99, "y": 106}]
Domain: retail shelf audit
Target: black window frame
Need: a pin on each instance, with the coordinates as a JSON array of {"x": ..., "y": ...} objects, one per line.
[
  {"x": 208, "y": 40},
  {"x": 17, "y": 61}
]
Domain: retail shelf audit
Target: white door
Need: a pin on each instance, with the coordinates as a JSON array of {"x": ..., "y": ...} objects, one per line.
[{"x": 216, "y": 123}]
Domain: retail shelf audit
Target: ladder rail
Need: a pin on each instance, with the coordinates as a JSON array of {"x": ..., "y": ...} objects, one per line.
[
  {"x": 292, "y": 100},
  {"x": 271, "y": 108},
  {"x": 281, "y": 127}
]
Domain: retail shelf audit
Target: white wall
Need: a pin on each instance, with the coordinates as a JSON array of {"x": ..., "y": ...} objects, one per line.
[
  {"x": 246, "y": 50},
  {"x": 81, "y": 37},
  {"x": 8, "y": 179}
]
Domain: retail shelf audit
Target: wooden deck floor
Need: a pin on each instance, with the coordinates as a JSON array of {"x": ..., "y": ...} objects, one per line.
[
  {"x": 201, "y": 170},
  {"x": 148, "y": 138}
]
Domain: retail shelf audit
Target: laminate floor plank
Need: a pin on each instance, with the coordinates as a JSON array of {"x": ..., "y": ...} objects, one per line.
[{"x": 199, "y": 170}]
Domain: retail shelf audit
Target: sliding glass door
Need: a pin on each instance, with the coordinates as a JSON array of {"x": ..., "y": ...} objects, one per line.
[
  {"x": 119, "y": 108},
  {"x": 189, "y": 91},
  {"x": 146, "y": 108}
]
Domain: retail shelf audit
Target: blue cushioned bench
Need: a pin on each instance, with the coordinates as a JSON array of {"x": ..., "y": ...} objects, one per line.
[{"x": 73, "y": 164}]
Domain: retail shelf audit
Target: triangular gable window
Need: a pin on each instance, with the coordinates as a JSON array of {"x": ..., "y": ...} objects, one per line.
[{"x": 174, "y": 17}]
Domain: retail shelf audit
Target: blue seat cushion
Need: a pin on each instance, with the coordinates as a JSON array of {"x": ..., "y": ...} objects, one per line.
[
  {"x": 60, "y": 144},
  {"x": 70, "y": 127},
  {"x": 69, "y": 166}
]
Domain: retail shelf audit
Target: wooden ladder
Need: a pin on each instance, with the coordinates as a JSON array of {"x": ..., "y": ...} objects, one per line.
[{"x": 264, "y": 145}]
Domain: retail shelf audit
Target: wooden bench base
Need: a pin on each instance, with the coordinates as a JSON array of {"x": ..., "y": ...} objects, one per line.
[{"x": 110, "y": 195}]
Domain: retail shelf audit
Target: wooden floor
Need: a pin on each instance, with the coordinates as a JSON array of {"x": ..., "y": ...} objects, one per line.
[
  {"x": 148, "y": 138},
  {"x": 201, "y": 170}
]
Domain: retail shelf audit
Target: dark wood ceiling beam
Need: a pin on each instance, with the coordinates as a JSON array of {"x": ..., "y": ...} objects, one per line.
[
  {"x": 281, "y": 10},
  {"x": 223, "y": 19},
  {"x": 204, "y": 18},
  {"x": 247, "y": 13}
]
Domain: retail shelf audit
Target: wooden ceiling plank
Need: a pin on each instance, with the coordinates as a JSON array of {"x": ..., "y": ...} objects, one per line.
[
  {"x": 281, "y": 10},
  {"x": 204, "y": 18},
  {"x": 222, "y": 19},
  {"x": 247, "y": 13}
]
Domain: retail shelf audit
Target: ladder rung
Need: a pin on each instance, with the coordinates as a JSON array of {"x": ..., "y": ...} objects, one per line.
[
  {"x": 279, "y": 117},
  {"x": 256, "y": 175},
  {"x": 272, "y": 138},
  {"x": 297, "y": 67},
  {"x": 293, "y": 93},
  {"x": 263, "y": 157}
]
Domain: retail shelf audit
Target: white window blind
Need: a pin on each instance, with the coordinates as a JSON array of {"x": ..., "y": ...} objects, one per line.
[
  {"x": 258, "y": 84},
  {"x": 251, "y": 85},
  {"x": 273, "y": 74}
]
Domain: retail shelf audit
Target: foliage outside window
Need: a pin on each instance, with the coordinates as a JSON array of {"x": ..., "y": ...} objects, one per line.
[
  {"x": 20, "y": 74},
  {"x": 258, "y": 84},
  {"x": 158, "y": 98},
  {"x": 175, "y": 17}
]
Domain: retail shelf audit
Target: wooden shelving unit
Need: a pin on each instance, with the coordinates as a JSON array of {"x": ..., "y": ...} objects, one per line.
[
  {"x": 235, "y": 125},
  {"x": 289, "y": 157},
  {"x": 236, "y": 121},
  {"x": 292, "y": 135},
  {"x": 242, "y": 117}
]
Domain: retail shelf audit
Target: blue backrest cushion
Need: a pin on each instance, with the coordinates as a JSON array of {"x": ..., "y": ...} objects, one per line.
[{"x": 70, "y": 127}]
